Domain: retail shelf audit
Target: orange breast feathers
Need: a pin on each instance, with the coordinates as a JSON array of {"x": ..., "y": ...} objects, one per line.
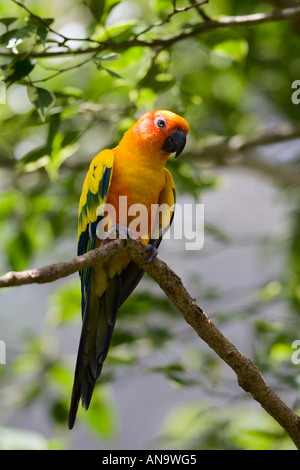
[{"x": 139, "y": 162}]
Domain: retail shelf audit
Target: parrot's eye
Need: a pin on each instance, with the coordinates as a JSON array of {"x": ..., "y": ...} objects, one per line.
[{"x": 160, "y": 123}]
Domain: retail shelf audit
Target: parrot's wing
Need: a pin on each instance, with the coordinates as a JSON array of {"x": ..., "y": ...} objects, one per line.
[
  {"x": 94, "y": 316},
  {"x": 93, "y": 196},
  {"x": 165, "y": 214},
  {"x": 132, "y": 274}
]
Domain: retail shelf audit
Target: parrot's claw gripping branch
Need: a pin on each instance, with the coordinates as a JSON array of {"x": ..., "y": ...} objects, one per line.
[
  {"x": 152, "y": 253},
  {"x": 140, "y": 253},
  {"x": 119, "y": 232}
]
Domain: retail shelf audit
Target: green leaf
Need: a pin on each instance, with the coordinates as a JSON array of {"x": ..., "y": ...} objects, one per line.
[
  {"x": 263, "y": 326},
  {"x": 121, "y": 31},
  {"x": 8, "y": 21},
  {"x": 272, "y": 290},
  {"x": 8, "y": 202},
  {"x": 10, "y": 40},
  {"x": 36, "y": 158},
  {"x": 168, "y": 369},
  {"x": 14, "y": 38},
  {"x": 59, "y": 411},
  {"x": 18, "y": 68},
  {"x": 4, "y": 68},
  {"x": 60, "y": 375},
  {"x": 101, "y": 406},
  {"x": 157, "y": 79},
  {"x": 176, "y": 374},
  {"x": 41, "y": 99},
  {"x": 54, "y": 125},
  {"x": 36, "y": 21},
  {"x": 63, "y": 146},
  {"x": 19, "y": 251},
  {"x": 112, "y": 73},
  {"x": 70, "y": 137},
  {"x": 35, "y": 155},
  {"x": 237, "y": 49},
  {"x": 36, "y": 32},
  {"x": 40, "y": 26},
  {"x": 142, "y": 302},
  {"x": 69, "y": 91},
  {"x": 65, "y": 303},
  {"x": 281, "y": 352},
  {"x": 96, "y": 8}
]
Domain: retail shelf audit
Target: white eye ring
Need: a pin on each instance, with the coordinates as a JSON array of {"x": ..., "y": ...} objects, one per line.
[{"x": 160, "y": 123}]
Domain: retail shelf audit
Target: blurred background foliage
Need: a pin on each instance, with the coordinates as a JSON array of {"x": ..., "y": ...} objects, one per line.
[{"x": 233, "y": 85}]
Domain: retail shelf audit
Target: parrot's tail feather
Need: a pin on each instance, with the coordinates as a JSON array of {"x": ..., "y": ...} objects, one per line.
[
  {"x": 96, "y": 334},
  {"x": 84, "y": 390},
  {"x": 87, "y": 386}
]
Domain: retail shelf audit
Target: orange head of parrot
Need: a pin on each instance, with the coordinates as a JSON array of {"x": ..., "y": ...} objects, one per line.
[{"x": 158, "y": 133}]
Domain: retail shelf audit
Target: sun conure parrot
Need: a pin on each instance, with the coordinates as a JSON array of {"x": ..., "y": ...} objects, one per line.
[{"x": 135, "y": 168}]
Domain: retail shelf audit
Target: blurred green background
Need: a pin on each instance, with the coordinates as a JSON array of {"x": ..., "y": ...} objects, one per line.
[{"x": 161, "y": 387}]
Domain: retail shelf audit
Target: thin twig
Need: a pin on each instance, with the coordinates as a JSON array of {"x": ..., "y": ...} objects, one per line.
[
  {"x": 200, "y": 10},
  {"x": 240, "y": 150},
  {"x": 66, "y": 69},
  {"x": 38, "y": 18},
  {"x": 168, "y": 18},
  {"x": 64, "y": 38}
]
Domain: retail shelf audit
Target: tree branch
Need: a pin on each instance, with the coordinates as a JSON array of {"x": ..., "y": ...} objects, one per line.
[
  {"x": 249, "y": 377},
  {"x": 236, "y": 150},
  {"x": 238, "y": 144},
  {"x": 163, "y": 42},
  {"x": 295, "y": 23},
  {"x": 200, "y": 10},
  {"x": 56, "y": 271}
]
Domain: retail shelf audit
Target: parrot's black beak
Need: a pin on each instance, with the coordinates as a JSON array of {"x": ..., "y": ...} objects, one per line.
[{"x": 175, "y": 142}]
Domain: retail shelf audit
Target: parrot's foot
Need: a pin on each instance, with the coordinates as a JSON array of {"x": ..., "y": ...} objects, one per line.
[
  {"x": 119, "y": 232},
  {"x": 116, "y": 232},
  {"x": 152, "y": 253}
]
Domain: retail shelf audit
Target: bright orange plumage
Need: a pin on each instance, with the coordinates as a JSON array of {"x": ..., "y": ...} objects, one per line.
[
  {"x": 139, "y": 160},
  {"x": 135, "y": 169}
]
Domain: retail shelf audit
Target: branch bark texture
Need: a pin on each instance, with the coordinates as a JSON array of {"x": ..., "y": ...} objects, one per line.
[{"x": 248, "y": 376}]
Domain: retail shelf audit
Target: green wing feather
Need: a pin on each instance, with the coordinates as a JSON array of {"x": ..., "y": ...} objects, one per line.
[
  {"x": 167, "y": 201},
  {"x": 94, "y": 193}
]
